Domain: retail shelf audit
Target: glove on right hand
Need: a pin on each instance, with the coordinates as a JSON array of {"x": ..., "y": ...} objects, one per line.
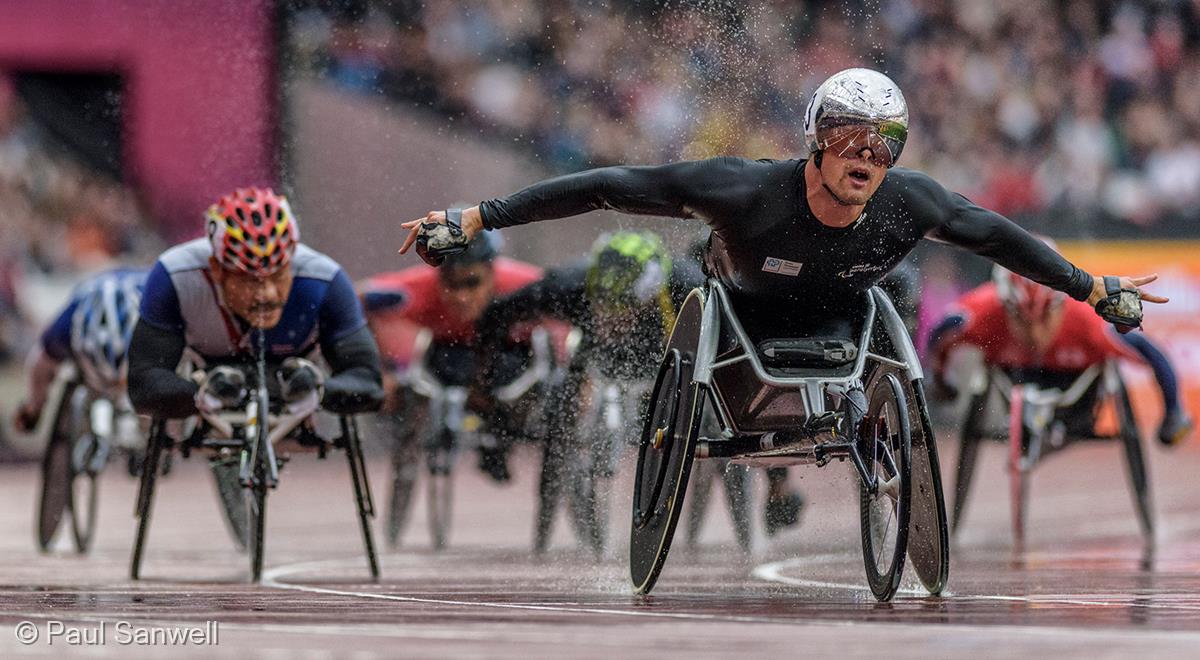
[
  {"x": 436, "y": 240},
  {"x": 224, "y": 387}
]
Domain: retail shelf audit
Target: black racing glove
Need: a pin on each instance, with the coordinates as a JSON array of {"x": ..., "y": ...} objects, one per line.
[
  {"x": 1120, "y": 307},
  {"x": 436, "y": 241},
  {"x": 222, "y": 388},
  {"x": 298, "y": 378}
]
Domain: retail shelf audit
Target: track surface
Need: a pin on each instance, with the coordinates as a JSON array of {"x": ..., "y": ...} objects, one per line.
[{"x": 1085, "y": 587}]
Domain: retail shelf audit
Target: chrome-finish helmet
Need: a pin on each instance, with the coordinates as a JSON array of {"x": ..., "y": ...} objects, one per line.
[{"x": 854, "y": 100}]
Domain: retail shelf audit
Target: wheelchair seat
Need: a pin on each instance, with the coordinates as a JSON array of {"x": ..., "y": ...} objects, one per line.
[{"x": 806, "y": 353}]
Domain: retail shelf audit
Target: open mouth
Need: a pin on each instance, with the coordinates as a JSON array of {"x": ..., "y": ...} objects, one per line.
[{"x": 861, "y": 175}]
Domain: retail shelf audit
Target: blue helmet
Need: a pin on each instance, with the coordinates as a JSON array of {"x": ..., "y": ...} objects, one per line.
[{"x": 103, "y": 324}]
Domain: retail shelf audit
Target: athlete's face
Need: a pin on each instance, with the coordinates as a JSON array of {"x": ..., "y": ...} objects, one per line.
[
  {"x": 257, "y": 300},
  {"x": 1036, "y": 332},
  {"x": 853, "y": 177},
  {"x": 467, "y": 290}
]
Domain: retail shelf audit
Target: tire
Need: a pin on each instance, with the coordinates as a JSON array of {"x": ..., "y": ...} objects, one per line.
[
  {"x": 406, "y": 469},
  {"x": 550, "y": 485},
  {"x": 84, "y": 505},
  {"x": 441, "y": 496},
  {"x": 145, "y": 498},
  {"x": 55, "y": 497},
  {"x": 665, "y": 454},
  {"x": 737, "y": 482},
  {"x": 928, "y": 530},
  {"x": 968, "y": 456},
  {"x": 1018, "y": 476},
  {"x": 257, "y": 502},
  {"x": 1135, "y": 462},
  {"x": 233, "y": 498},
  {"x": 257, "y": 518},
  {"x": 886, "y": 443}
]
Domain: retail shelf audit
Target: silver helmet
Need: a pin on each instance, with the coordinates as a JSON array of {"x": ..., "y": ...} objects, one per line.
[{"x": 858, "y": 98}]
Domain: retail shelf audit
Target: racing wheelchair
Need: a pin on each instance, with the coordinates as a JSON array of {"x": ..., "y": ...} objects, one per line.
[
  {"x": 86, "y": 428},
  {"x": 251, "y": 434},
  {"x": 441, "y": 425},
  {"x": 1046, "y": 414},
  {"x": 796, "y": 401}
]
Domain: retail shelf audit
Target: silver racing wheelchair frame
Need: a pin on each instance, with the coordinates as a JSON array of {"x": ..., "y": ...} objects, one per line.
[{"x": 864, "y": 404}]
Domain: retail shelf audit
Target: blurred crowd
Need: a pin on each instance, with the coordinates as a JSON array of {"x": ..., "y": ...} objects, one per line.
[
  {"x": 1074, "y": 116},
  {"x": 59, "y": 219}
]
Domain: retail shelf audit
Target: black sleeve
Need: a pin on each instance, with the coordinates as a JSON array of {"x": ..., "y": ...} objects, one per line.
[
  {"x": 707, "y": 189},
  {"x": 356, "y": 383},
  {"x": 560, "y": 294},
  {"x": 154, "y": 387},
  {"x": 956, "y": 220}
]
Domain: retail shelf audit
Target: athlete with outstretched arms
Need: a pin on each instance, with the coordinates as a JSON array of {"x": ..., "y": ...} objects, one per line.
[
  {"x": 207, "y": 298},
  {"x": 798, "y": 242}
]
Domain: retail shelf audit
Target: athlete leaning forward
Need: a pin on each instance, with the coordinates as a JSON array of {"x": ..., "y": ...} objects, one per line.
[{"x": 797, "y": 244}]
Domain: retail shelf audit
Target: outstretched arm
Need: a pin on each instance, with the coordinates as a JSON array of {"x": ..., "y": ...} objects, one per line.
[
  {"x": 681, "y": 190},
  {"x": 960, "y": 222},
  {"x": 154, "y": 387}
]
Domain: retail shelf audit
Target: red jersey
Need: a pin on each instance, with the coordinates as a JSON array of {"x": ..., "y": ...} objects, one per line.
[
  {"x": 417, "y": 303},
  {"x": 1082, "y": 339}
]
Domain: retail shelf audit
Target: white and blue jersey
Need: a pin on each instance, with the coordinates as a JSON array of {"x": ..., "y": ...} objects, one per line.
[{"x": 181, "y": 297}]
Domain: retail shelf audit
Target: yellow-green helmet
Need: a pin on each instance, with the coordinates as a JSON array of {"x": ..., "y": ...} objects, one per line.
[{"x": 628, "y": 268}]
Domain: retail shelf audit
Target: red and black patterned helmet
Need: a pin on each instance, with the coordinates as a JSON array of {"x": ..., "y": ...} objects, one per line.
[{"x": 252, "y": 230}]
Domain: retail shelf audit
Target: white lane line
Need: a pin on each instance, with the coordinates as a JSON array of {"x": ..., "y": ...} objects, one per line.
[
  {"x": 271, "y": 579},
  {"x": 773, "y": 572}
]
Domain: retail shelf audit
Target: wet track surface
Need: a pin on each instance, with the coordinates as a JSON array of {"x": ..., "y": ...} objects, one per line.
[{"x": 1084, "y": 588}]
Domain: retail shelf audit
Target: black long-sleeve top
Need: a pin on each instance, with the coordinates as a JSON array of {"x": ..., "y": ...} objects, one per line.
[{"x": 770, "y": 250}]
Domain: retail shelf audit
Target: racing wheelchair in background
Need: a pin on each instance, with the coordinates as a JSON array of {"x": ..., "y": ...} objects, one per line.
[
  {"x": 796, "y": 401},
  {"x": 250, "y": 434},
  {"x": 438, "y": 425},
  {"x": 86, "y": 428},
  {"x": 1044, "y": 418}
]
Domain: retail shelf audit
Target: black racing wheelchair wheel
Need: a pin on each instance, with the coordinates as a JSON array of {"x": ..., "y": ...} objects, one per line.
[
  {"x": 1139, "y": 481},
  {"x": 56, "y": 472},
  {"x": 928, "y": 530},
  {"x": 666, "y": 450},
  {"x": 884, "y": 507}
]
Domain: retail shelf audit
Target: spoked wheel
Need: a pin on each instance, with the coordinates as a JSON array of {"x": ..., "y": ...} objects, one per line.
[
  {"x": 666, "y": 449},
  {"x": 968, "y": 455},
  {"x": 1018, "y": 475},
  {"x": 886, "y": 445},
  {"x": 441, "y": 496},
  {"x": 56, "y": 472},
  {"x": 1136, "y": 463},
  {"x": 88, "y": 458}
]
